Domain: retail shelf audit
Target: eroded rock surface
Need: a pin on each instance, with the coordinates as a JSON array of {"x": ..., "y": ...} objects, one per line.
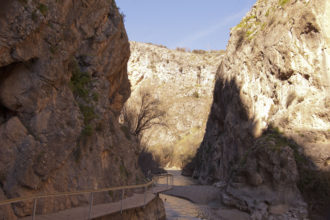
[
  {"x": 269, "y": 124},
  {"x": 183, "y": 83},
  {"x": 63, "y": 82}
]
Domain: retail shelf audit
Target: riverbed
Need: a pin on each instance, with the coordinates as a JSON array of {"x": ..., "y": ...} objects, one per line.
[{"x": 180, "y": 208}]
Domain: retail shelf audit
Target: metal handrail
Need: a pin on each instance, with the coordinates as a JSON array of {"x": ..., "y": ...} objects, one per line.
[
  {"x": 20, "y": 199},
  {"x": 58, "y": 194}
]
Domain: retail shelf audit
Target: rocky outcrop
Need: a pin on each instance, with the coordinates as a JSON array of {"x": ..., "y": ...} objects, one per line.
[
  {"x": 63, "y": 82},
  {"x": 267, "y": 138},
  {"x": 182, "y": 81}
]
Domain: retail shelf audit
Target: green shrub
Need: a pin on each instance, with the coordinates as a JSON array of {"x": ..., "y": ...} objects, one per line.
[
  {"x": 249, "y": 33},
  {"x": 123, "y": 170},
  {"x": 77, "y": 154},
  {"x": 283, "y": 2},
  {"x": 268, "y": 12},
  {"x": 53, "y": 49},
  {"x": 110, "y": 194},
  {"x": 276, "y": 131},
  {"x": 113, "y": 4},
  {"x": 43, "y": 9},
  {"x": 95, "y": 96},
  {"x": 245, "y": 22},
  {"x": 81, "y": 86},
  {"x": 80, "y": 82},
  {"x": 23, "y": 1},
  {"x": 196, "y": 94},
  {"x": 34, "y": 16},
  {"x": 137, "y": 180},
  {"x": 88, "y": 113},
  {"x": 263, "y": 26},
  {"x": 87, "y": 131},
  {"x": 123, "y": 16}
]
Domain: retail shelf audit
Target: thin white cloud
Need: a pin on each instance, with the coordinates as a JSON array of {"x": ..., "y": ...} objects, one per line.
[{"x": 210, "y": 30}]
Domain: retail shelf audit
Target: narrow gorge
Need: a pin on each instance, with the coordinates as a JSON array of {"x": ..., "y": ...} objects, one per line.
[
  {"x": 181, "y": 82},
  {"x": 84, "y": 108}
]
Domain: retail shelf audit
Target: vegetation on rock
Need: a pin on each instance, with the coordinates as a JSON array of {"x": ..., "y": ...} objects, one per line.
[{"x": 81, "y": 86}]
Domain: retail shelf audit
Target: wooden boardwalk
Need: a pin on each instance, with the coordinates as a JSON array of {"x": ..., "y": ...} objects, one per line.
[{"x": 80, "y": 213}]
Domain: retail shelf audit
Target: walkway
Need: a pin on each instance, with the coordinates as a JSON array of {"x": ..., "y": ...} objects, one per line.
[
  {"x": 146, "y": 194},
  {"x": 79, "y": 213}
]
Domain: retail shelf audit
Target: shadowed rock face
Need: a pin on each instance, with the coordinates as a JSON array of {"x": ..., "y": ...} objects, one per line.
[
  {"x": 270, "y": 118},
  {"x": 63, "y": 82}
]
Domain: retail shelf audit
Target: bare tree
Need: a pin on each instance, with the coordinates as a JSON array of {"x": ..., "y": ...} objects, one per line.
[
  {"x": 147, "y": 115},
  {"x": 140, "y": 114}
]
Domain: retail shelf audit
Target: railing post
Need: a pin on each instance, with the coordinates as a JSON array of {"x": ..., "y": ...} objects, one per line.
[
  {"x": 145, "y": 195},
  {"x": 90, "y": 206},
  {"x": 152, "y": 186},
  {"x": 167, "y": 181},
  {"x": 34, "y": 209},
  {"x": 121, "y": 201}
]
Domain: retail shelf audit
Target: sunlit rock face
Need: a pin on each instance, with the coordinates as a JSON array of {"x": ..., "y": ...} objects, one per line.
[
  {"x": 270, "y": 118},
  {"x": 183, "y": 83},
  {"x": 63, "y": 82}
]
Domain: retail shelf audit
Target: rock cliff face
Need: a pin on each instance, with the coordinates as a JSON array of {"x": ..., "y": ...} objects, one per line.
[
  {"x": 268, "y": 133},
  {"x": 63, "y": 82},
  {"x": 183, "y": 83}
]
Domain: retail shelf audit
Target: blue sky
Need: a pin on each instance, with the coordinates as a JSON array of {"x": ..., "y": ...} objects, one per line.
[{"x": 193, "y": 24}]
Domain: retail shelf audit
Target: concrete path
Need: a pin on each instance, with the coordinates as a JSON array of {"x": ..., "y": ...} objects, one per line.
[
  {"x": 199, "y": 194},
  {"x": 200, "y": 201},
  {"x": 80, "y": 213}
]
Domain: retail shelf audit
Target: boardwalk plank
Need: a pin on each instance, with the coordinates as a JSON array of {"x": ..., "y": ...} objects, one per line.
[{"x": 80, "y": 213}]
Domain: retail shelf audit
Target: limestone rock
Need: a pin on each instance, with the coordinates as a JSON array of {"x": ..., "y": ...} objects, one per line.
[
  {"x": 183, "y": 82},
  {"x": 63, "y": 82},
  {"x": 273, "y": 78}
]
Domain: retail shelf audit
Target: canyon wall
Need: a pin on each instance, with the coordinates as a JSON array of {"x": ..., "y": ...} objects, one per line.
[
  {"x": 267, "y": 139},
  {"x": 63, "y": 83},
  {"x": 182, "y": 83}
]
